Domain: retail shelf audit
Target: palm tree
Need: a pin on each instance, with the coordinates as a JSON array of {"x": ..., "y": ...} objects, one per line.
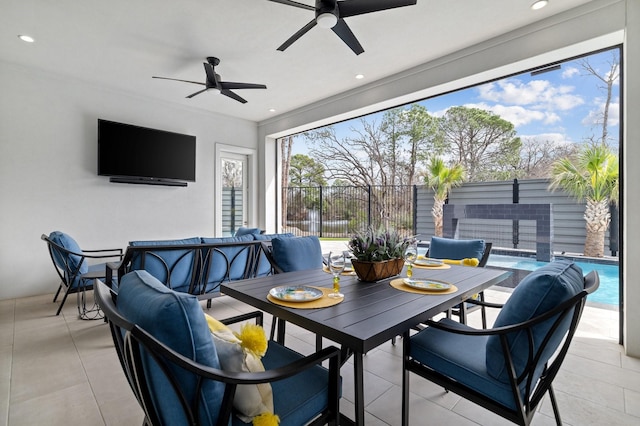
[
  {"x": 440, "y": 179},
  {"x": 592, "y": 177}
]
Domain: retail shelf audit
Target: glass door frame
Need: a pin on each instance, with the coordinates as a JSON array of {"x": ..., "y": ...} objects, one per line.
[{"x": 223, "y": 151}]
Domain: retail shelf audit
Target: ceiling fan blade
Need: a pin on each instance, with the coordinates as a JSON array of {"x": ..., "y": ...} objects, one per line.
[
  {"x": 344, "y": 32},
  {"x": 184, "y": 81},
  {"x": 359, "y": 7},
  {"x": 294, "y": 4},
  {"x": 197, "y": 93},
  {"x": 212, "y": 78},
  {"x": 297, "y": 35},
  {"x": 232, "y": 95},
  {"x": 232, "y": 85}
]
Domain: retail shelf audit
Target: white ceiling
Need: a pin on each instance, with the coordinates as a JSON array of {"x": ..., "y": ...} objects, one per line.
[{"x": 120, "y": 44}]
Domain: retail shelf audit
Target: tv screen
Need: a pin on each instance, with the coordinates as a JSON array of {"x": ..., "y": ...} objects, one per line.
[{"x": 147, "y": 155}]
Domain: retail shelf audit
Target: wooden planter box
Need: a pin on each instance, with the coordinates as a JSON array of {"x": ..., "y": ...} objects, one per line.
[{"x": 376, "y": 271}]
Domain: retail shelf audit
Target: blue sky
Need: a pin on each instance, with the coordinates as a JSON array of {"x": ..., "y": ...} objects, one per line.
[{"x": 563, "y": 105}]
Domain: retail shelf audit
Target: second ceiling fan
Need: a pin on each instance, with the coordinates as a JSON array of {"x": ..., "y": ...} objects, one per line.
[{"x": 330, "y": 14}]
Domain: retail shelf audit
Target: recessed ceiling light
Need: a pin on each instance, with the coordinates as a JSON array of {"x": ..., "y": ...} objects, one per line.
[
  {"x": 272, "y": 110},
  {"x": 26, "y": 38},
  {"x": 359, "y": 76},
  {"x": 539, "y": 4}
]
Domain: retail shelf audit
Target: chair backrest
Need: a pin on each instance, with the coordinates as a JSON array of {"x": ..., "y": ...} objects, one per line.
[
  {"x": 449, "y": 248},
  {"x": 149, "y": 321},
  {"x": 548, "y": 304},
  {"x": 67, "y": 256},
  {"x": 297, "y": 254}
]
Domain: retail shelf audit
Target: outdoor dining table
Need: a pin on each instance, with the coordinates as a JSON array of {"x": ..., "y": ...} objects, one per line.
[{"x": 370, "y": 313}]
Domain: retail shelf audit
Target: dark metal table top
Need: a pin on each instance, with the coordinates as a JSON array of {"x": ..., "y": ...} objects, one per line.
[{"x": 371, "y": 313}]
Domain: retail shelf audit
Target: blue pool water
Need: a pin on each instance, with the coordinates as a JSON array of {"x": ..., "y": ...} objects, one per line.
[{"x": 607, "y": 293}]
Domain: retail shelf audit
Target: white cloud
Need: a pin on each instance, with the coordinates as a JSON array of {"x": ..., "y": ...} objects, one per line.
[
  {"x": 570, "y": 72},
  {"x": 539, "y": 94},
  {"x": 594, "y": 117},
  {"x": 518, "y": 115},
  {"x": 556, "y": 138}
]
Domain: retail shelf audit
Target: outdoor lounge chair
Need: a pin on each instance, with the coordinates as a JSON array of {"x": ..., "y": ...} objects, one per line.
[{"x": 509, "y": 368}]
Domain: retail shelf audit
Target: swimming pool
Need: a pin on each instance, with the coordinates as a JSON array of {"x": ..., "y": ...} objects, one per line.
[{"x": 607, "y": 293}]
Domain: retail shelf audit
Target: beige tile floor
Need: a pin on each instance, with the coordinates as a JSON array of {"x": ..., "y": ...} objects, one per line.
[{"x": 59, "y": 370}]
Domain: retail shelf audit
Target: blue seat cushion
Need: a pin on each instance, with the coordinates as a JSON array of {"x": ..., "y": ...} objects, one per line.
[
  {"x": 450, "y": 354},
  {"x": 228, "y": 263},
  {"x": 297, "y": 254},
  {"x": 74, "y": 260},
  {"x": 539, "y": 292},
  {"x": 175, "y": 319},
  {"x": 247, "y": 231},
  {"x": 299, "y": 398},
  {"x": 264, "y": 267},
  {"x": 174, "y": 268},
  {"x": 449, "y": 248}
]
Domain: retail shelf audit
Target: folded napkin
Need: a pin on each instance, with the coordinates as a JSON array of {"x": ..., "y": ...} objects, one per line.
[{"x": 464, "y": 262}]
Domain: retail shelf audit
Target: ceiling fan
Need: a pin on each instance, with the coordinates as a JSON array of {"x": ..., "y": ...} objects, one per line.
[
  {"x": 330, "y": 14},
  {"x": 213, "y": 82}
]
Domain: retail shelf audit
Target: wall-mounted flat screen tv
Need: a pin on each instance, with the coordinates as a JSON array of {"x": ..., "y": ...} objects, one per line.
[{"x": 134, "y": 154}]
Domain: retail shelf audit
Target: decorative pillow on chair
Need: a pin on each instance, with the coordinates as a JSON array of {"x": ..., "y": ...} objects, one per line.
[
  {"x": 242, "y": 352},
  {"x": 449, "y": 248}
]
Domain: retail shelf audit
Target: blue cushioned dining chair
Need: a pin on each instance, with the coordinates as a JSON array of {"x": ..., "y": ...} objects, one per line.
[
  {"x": 72, "y": 266},
  {"x": 169, "y": 357},
  {"x": 287, "y": 254},
  {"x": 507, "y": 369},
  {"x": 449, "y": 248}
]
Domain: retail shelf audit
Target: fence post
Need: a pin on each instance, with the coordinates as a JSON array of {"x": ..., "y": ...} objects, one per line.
[
  {"x": 369, "y": 206},
  {"x": 233, "y": 209},
  {"x": 414, "y": 210},
  {"x": 321, "y": 210},
  {"x": 613, "y": 229},
  {"x": 516, "y": 223}
]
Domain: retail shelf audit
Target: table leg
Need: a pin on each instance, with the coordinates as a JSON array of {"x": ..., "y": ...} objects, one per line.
[{"x": 358, "y": 387}]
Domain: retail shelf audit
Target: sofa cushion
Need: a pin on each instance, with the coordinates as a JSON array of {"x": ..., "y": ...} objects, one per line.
[
  {"x": 297, "y": 254},
  {"x": 174, "y": 268},
  {"x": 228, "y": 263},
  {"x": 449, "y": 248},
  {"x": 75, "y": 260},
  {"x": 175, "y": 319},
  {"x": 247, "y": 231},
  {"x": 539, "y": 292}
]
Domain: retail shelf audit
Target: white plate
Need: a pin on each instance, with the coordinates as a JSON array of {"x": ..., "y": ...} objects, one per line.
[
  {"x": 298, "y": 293},
  {"x": 433, "y": 285},
  {"x": 428, "y": 262}
]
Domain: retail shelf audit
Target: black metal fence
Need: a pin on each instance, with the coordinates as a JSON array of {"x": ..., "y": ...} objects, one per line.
[{"x": 339, "y": 211}]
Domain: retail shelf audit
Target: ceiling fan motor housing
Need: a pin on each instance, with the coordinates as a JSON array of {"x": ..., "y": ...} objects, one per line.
[{"x": 327, "y": 13}]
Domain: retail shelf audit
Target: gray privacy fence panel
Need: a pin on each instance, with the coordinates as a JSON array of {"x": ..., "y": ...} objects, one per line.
[
  {"x": 568, "y": 222},
  {"x": 232, "y": 205}
]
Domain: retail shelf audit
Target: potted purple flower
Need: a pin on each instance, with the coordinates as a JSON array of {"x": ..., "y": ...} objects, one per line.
[{"x": 378, "y": 254}]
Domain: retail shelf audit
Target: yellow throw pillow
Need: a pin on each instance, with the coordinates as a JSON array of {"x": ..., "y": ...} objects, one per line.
[{"x": 241, "y": 352}]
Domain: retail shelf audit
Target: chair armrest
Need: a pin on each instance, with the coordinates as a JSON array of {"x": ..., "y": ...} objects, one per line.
[
  {"x": 116, "y": 253},
  {"x": 258, "y": 315},
  {"x": 484, "y": 303},
  {"x": 118, "y": 250}
]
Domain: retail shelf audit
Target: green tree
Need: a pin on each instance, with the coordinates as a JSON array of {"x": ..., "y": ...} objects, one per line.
[
  {"x": 593, "y": 177},
  {"x": 482, "y": 142},
  {"x": 440, "y": 179},
  {"x": 305, "y": 171}
]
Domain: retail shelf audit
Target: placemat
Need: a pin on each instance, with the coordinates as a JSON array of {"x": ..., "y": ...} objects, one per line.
[
  {"x": 443, "y": 266},
  {"x": 324, "y": 302},
  {"x": 399, "y": 284}
]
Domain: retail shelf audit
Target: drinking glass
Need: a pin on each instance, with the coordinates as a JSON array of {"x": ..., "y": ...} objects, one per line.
[
  {"x": 336, "y": 266},
  {"x": 410, "y": 256}
]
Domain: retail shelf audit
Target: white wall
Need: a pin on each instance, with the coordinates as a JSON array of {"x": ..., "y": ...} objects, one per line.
[
  {"x": 48, "y": 180},
  {"x": 598, "y": 24}
]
